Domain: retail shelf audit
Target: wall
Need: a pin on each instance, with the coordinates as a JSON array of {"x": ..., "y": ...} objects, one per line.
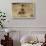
[{"x": 40, "y": 18}]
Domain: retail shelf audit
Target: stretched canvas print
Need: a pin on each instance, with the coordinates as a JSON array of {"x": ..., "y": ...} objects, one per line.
[{"x": 23, "y": 10}]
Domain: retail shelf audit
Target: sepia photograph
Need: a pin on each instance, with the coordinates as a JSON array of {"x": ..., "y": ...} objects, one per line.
[{"x": 23, "y": 10}]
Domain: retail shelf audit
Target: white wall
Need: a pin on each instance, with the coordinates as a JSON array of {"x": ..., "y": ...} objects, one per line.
[
  {"x": 40, "y": 18},
  {"x": 39, "y": 21}
]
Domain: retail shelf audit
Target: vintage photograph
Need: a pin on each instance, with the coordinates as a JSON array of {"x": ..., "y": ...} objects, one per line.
[{"x": 23, "y": 10}]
